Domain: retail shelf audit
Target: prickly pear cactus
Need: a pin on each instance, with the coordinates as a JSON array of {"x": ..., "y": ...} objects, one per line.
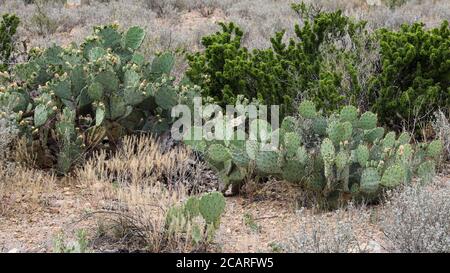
[
  {"x": 307, "y": 109},
  {"x": 182, "y": 218},
  {"x": 267, "y": 162},
  {"x": 349, "y": 157},
  {"x": 211, "y": 207},
  {"x": 112, "y": 89}
]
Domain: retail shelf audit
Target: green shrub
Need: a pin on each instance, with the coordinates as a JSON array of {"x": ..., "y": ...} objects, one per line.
[
  {"x": 337, "y": 158},
  {"x": 70, "y": 101},
  {"x": 277, "y": 75},
  {"x": 415, "y": 73},
  {"x": 8, "y": 28},
  {"x": 225, "y": 70}
]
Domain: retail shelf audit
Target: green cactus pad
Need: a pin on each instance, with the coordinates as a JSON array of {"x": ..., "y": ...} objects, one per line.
[
  {"x": 237, "y": 175},
  {"x": 342, "y": 160},
  {"x": 362, "y": 155},
  {"x": 293, "y": 171},
  {"x": 267, "y": 162},
  {"x": 374, "y": 134},
  {"x": 40, "y": 115},
  {"x": 340, "y": 131},
  {"x": 327, "y": 150},
  {"x": 389, "y": 140},
  {"x": 292, "y": 142},
  {"x": 133, "y": 38},
  {"x": 370, "y": 180},
  {"x": 307, "y": 109},
  {"x": 319, "y": 126},
  {"x": 435, "y": 148},
  {"x": 191, "y": 207},
  {"x": 166, "y": 97},
  {"x": 405, "y": 153},
  {"x": 239, "y": 155},
  {"x": 349, "y": 113},
  {"x": 393, "y": 176},
  {"x": 211, "y": 207},
  {"x": 189, "y": 138},
  {"x": 163, "y": 64},
  {"x": 289, "y": 124},
  {"x": 368, "y": 121},
  {"x": 218, "y": 153},
  {"x": 302, "y": 155},
  {"x": 95, "y": 91}
]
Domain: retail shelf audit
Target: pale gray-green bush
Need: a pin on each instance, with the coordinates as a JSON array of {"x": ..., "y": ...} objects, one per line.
[{"x": 417, "y": 219}]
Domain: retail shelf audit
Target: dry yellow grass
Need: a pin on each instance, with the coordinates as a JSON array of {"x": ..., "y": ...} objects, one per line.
[
  {"x": 130, "y": 188},
  {"x": 22, "y": 190}
]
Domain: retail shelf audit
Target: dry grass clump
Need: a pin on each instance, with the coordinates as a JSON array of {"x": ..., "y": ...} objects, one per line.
[
  {"x": 141, "y": 160},
  {"x": 417, "y": 219},
  {"x": 135, "y": 189},
  {"x": 23, "y": 190}
]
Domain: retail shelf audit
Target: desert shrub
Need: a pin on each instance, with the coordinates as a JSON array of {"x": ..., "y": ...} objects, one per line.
[
  {"x": 143, "y": 196},
  {"x": 8, "y": 133},
  {"x": 335, "y": 233},
  {"x": 8, "y": 28},
  {"x": 414, "y": 77},
  {"x": 69, "y": 100},
  {"x": 417, "y": 219},
  {"x": 338, "y": 157},
  {"x": 441, "y": 126},
  {"x": 162, "y": 8},
  {"x": 44, "y": 24},
  {"x": 278, "y": 74},
  {"x": 394, "y": 3}
]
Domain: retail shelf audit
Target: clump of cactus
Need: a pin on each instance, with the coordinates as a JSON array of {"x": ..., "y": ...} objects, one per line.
[
  {"x": 208, "y": 207},
  {"x": 340, "y": 157},
  {"x": 69, "y": 100}
]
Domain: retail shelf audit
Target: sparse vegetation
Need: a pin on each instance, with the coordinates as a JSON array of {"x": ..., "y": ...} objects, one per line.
[{"x": 417, "y": 219}]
